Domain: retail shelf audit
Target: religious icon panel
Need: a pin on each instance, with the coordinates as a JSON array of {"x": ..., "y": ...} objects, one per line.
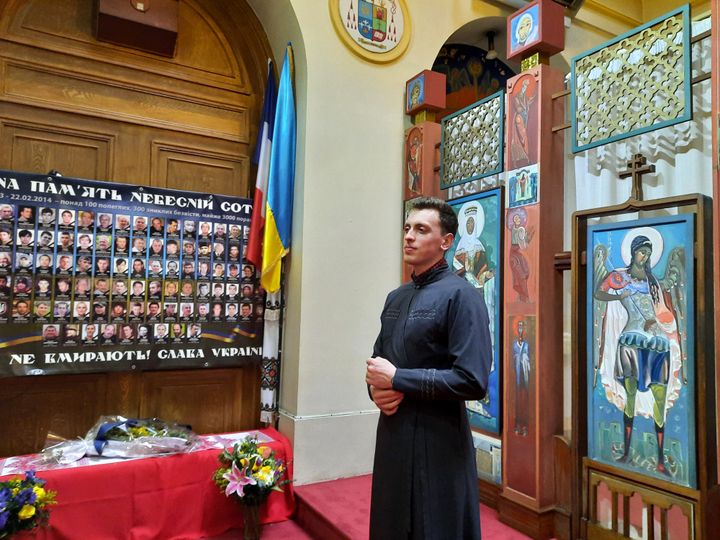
[
  {"x": 641, "y": 347},
  {"x": 476, "y": 255}
]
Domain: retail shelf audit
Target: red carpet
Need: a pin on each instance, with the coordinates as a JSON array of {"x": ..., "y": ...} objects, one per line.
[{"x": 345, "y": 506}]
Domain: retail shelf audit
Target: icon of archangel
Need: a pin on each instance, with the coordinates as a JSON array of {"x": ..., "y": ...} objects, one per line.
[{"x": 641, "y": 376}]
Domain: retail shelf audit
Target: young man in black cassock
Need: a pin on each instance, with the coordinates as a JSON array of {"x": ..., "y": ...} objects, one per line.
[{"x": 432, "y": 354}]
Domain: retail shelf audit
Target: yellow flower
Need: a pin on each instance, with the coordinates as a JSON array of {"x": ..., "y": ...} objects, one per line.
[
  {"x": 26, "y": 512},
  {"x": 39, "y": 493},
  {"x": 265, "y": 474},
  {"x": 244, "y": 462}
]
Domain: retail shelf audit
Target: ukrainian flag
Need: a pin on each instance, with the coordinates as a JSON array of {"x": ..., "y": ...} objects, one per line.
[{"x": 281, "y": 181}]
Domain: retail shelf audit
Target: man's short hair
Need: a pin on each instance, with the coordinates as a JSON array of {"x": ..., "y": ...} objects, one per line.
[{"x": 448, "y": 219}]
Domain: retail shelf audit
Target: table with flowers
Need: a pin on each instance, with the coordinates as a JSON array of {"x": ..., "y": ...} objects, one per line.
[{"x": 155, "y": 497}]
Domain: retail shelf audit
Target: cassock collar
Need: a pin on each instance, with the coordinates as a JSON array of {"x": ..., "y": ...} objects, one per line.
[{"x": 430, "y": 274}]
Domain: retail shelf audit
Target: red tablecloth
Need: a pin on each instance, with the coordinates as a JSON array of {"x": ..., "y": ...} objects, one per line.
[{"x": 169, "y": 497}]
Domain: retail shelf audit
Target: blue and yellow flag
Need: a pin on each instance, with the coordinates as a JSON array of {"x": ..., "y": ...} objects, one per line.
[{"x": 281, "y": 181}]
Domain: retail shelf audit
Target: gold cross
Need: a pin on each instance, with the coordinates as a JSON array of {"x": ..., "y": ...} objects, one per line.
[{"x": 636, "y": 168}]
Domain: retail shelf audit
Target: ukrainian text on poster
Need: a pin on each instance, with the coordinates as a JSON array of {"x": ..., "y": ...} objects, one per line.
[{"x": 97, "y": 276}]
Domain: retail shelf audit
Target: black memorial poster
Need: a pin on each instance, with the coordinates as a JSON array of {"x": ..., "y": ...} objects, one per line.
[{"x": 98, "y": 276}]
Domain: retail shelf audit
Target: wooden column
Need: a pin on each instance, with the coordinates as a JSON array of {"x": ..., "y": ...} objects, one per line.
[
  {"x": 715, "y": 85},
  {"x": 533, "y": 301}
]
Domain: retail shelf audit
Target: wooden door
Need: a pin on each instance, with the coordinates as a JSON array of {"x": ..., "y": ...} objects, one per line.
[{"x": 94, "y": 110}]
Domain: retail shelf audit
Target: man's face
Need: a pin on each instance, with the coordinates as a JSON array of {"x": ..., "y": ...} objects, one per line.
[
  {"x": 6, "y": 212},
  {"x": 65, "y": 239},
  {"x": 84, "y": 264},
  {"x": 81, "y": 309},
  {"x": 101, "y": 285},
  {"x": 137, "y": 265},
  {"x": 137, "y": 288},
  {"x": 245, "y": 310},
  {"x": 424, "y": 243},
  {"x": 90, "y": 331},
  {"x": 120, "y": 287},
  {"x": 81, "y": 286},
  {"x": 84, "y": 241},
  {"x": 45, "y": 239},
  {"x": 51, "y": 332},
  {"x": 172, "y": 267},
  {"x": 140, "y": 223},
  {"x": 203, "y": 309},
  {"x": 46, "y": 217},
  {"x": 5, "y": 237},
  {"x": 64, "y": 263},
  {"x": 157, "y": 224},
  {"x": 44, "y": 261},
  {"x": 67, "y": 218},
  {"x": 123, "y": 222},
  {"x": 25, "y": 239},
  {"x": 157, "y": 245},
  {"x": 155, "y": 267},
  {"x": 161, "y": 330},
  {"x": 108, "y": 331},
  {"x": 86, "y": 219},
  {"x": 43, "y": 285},
  {"x": 22, "y": 308},
  {"x": 121, "y": 243},
  {"x": 102, "y": 265},
  {"x": 105, "y": 221},
  {"x": 26, "y": 213},
  {"x": 186, "y": 310},
  {"x": 177, "y": 329},
  {"x": 63, "y": 286},
  {"x": 42, "y": 309},
  {"x": 172, "y": 226},
  {"x": 232, "y": 309},
  {"x": 61, "y": 309},
  {"x": 154, "y": 287},
  {"x": 139, "y": 244},
  {"x": 153, "y": 309},
  {"x": 103, "y": 243}
]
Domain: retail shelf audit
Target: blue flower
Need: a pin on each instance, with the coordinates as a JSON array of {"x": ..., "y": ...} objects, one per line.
[
  {"x": 3, "y": 519},
  {"x": 26, "y": 496},
  {"x": 30, "y": 476},
  {"x": 5, "y": 494}
]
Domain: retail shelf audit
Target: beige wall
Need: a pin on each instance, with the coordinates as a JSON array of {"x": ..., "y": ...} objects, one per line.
[{"x": 346, "y": 227}]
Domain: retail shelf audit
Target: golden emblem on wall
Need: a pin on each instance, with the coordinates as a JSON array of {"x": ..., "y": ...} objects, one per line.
[{"x": 377, "y": 30}]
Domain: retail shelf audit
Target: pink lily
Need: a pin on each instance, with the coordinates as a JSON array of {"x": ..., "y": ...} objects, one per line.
[{"x": 237, "y": 480}]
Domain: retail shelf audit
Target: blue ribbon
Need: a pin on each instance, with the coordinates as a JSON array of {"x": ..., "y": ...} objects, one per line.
[{"x": 101, "y": 437}]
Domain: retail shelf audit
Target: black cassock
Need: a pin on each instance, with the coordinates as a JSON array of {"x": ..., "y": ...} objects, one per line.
[{"x": 435, "y": 331}]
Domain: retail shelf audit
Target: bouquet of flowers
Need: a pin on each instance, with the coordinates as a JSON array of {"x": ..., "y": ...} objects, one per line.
[
  {"x": 119, "y": 437},
  {"x": 249, "y": 472},
  {"x": 24, "y": 504}
]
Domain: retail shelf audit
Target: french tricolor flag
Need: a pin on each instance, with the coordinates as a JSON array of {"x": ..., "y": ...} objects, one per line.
[{"x": 262, "y": 159}]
